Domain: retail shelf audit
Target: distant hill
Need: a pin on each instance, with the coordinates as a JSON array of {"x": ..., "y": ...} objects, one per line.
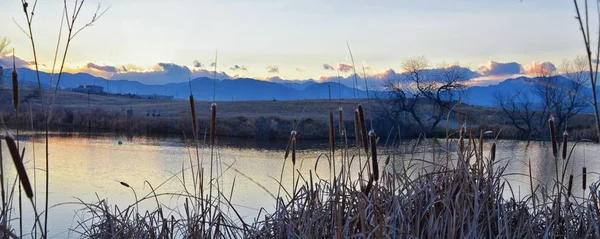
[
  {"x": 202, "y": 88},
  {"x": 275, "y": 89}
]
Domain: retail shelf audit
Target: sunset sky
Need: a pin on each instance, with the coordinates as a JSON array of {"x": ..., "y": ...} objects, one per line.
[{"x": 294, "y": 39}]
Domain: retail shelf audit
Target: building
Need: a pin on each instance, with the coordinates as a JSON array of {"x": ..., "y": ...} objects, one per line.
[{"x": 92, "y": 89}]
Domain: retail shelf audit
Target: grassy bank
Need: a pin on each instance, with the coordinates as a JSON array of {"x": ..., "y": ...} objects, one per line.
[{"x": 245, "y": 119}]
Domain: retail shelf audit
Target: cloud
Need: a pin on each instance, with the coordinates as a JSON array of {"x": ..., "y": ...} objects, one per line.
[
  {"x": 238, "y": 67},
  {"x": 328, "y": 67},
  {"x": 273, "y": 69},
  {"x": 539, "y": 68},
  {"x": 110, "y": 69},
  {"x": 499, "y": 68},
  {"x": 7, "y": 62},
  {"x": 301, "y": 69},
  {"x": 164, "y": 73},
  {"x": 344, "y": 67},
  {"x": 197, "y": 64}
]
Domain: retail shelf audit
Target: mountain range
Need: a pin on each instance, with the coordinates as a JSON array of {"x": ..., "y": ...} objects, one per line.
[{"x": 205, "y": 88}]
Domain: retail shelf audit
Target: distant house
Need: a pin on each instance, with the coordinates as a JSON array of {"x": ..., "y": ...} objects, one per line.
[
  {"x": 156, "y": 97},
  {"x": 92, "y": 89}
]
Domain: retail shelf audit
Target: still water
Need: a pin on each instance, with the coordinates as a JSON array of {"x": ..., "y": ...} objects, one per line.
[{"x": 91, "y": 168}]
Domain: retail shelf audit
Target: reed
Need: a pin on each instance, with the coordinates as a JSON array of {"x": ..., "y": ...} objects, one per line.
[
  {"x": 341, "y": 120},
  {"x": 15, "y": 87},
  {"x": 194, "y": 119},
  {"x": 375, "y": 165},
  {"x": 14, "y": 153},
  {"x": 356, "y": 128},
  {"x": 331, "y": 133},
  {"x": 584, "y": 178},
  {"x": 553, "y": 136},
  {"x": 570, "y": 186},
  {"x": 363, "y": 128}
]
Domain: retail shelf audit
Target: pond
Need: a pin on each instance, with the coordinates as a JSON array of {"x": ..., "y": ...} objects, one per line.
[{"x": 92, "y": 168}]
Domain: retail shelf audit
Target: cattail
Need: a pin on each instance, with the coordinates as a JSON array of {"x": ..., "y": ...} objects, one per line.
[
  {"x": 356, "y": 128},
  {"x": 363, "y": 127},
  {"x": 584, "y": 178},
  {"x": 570, "y": 187},
  {"x": 289, "y": 145},
  {"x": 387, "y": 160},
  {"x": 15, "y": 85},
  {"x": 341, "y": 119},
  {"x": 294, "y": 151},
  {"x": 564, "y": 146},
  {"x": 331, "y": 133},
  {"x": 125, "y": 184},
  {"x": 553, "y": 136},
  {"x": 194, "y": 121},
  {"x": 493, "y": 152},
  {"x": 14, "y": 152},
  {"x": 213, "y": 123},
  {"x": 372, "y": 136}
]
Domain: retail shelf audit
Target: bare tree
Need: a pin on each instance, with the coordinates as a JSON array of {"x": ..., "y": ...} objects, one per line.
[
  {"x": 426, "y": 95},
  {"x": 591, "y": 58},
  {"x": 562, "y": 96},
  {"x": 519, "y": 111},
  {"x": 4, "y": 43}
]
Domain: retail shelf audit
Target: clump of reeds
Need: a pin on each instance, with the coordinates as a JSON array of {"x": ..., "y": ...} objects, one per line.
[{"x": 454, "y": 201}]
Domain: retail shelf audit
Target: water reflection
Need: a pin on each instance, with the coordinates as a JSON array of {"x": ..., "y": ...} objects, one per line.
[{"x": 89, "y": 168}]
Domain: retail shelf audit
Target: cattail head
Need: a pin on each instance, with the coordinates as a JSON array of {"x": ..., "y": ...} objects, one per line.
[
  {"x": 565, "y": 139},
  {"x": 125, "y": 184},
  {"x": 570, "y": 187},
  {"x": 341, "y": 120},
  {"x": 14, "y": 152},
  {"x": 294, "y": 151},
  {"x": 289, "y": 145},
  {"x": 194, "y": 120},
  {"x": 493, "y": 152},
  {"x": 213, "y": 123},
  {"x": 331, "y": 133},
  {"x": 15, "y": 86},
  {"x": 356, "y": 128},
  {"x": 584, "y": 178},
  {"x": 373, "y": 139},
  {"x": 363, "y": 127},
  {"x": 553, "y": 136}
]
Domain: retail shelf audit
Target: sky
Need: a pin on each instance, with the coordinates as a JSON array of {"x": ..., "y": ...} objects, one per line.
[{"x": 290, "y": 40}]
